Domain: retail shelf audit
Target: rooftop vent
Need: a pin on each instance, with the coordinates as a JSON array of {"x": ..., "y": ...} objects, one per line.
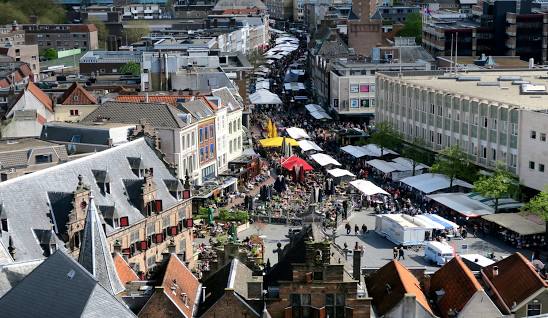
[
  {"x": 533, "y": 89},
  {"x": 487, "y": 83},
  {"x": 509, "y": 78},
  {"x": 520, "y": 82},
  {"x": 468, "y": 79}
]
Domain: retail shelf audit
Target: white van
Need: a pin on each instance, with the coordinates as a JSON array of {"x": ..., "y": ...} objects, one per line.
[{"x": 438, "y": 252}]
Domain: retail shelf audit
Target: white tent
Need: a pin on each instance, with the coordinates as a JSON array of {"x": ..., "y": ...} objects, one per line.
[
  {"x": 297, "y": 133},
  {"x": 443, "y": 221},
  {"x": 355, "y": 151},
  {"x": 307, "y": 145},
  {"x": 463, "y": 204},
  {"x": 320, "y": 115},
  {"x": 324, "y": 160},
  {"x": 367, "y": 187},
  {"x": 431, "y": 182},
  {"x": 375, "y": 151},
  {"x": 264, "y": 97},
  {"x": 428, "y": 223},
  {"x": 340, "y": 173},
  {"x": 314, "y": 108},
  {"x": 409, "y": 163},
  {"x": 294, "y": 86},
  {"x": 262, "y": 85},
  {"x": 386, "y": 166}
]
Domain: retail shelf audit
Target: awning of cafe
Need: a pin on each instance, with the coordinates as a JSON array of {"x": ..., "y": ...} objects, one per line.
[
  {"x": 518, "y": 223},
  {"x": 277, "y": 142}
]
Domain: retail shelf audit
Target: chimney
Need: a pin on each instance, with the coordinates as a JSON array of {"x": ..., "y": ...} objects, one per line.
[
  {"x": 171, "y": 246},
  {"x": 14, "y": 26},
  {"x": 203, "y": 293},
  {"x": 356, "y": 264},
  {"x": 117, "y": 248},
  {"x": 495, "y": 271},
  {"x": 531, "y": 63}
]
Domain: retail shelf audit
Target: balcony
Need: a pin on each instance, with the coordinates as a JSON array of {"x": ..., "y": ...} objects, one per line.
[{"x": 511, "y": 30}]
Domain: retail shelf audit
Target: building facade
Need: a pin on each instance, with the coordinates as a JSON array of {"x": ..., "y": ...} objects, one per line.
[
  {"x": 62, "y": 36},
  {"x": 486, "y": 113}
]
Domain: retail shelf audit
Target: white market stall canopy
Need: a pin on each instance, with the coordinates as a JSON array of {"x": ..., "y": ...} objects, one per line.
[
  {"x": 320, "y": 115},
  {"x": 386, "y": 166},
  {"x": 337, "y": 173},
  {"x": 317, "y": 111},
  {"x": 368, "y": 187},
  {"x": 297, "y": 133},
  {"x": 518, "y": 223},
  {"x": 443, "y": 221},
  {"x": 409, "y": 163},
  {"x": 370, "y": 150},
  {"x": 262, "y": 85},
  {"x": 307, "y": 145},
  {"x": 463, "y": 204},
  {"x": 428, "y": 222},
  {"x": 324, "y": 160},
  {"x": 264, "y": 97},
  {"x": 503, "y": 204},
  {"x": 294, "y": 86},
  {"x": 431, "y": 182}
]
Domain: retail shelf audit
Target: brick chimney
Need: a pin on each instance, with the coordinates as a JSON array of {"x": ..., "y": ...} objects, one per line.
[{"x": 356, "y": 265}]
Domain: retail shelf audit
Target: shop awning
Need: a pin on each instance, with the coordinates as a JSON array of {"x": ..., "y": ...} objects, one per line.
[
  {"x": 386, "y": 166},
  {"x": 463, "y": 204},
  {"x": 518, "y": 223},
  {"x": 337, "y": 173},
  {"x": 367, "y": 187},
  {"x": 294, "y": 161},
  {"x": 277, "y": 142},
  {"x": 443, "y": 221},
  {"x": 297, "y": 133},
  {"x": 431, "y": 182},
  {"x": 324, "y": 160},
  {"x": 264, "y": 97},
  {"x": 429, "y": 223},
  {"x": 307, "y": 145}
]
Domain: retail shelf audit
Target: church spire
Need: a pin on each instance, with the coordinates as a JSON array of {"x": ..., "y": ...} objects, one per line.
[{"x": 95, "y": 256}]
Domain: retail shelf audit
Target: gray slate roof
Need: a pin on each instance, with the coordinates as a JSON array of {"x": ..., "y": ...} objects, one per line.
[
  {"x": 16, "y": 153},
  {"x": 204, "y": 81},
  {"x": 197, "y": 108},
  {"x": 94, "y": 253},
  {"x": 27, "y": 200},
  {"x": 158, "y": 115},
  {"x": 12, "y": 274},
  {"x": 60, "y": 287},
  {"x": 87, "y": 134},
  {"x": 227, "y": 98}
]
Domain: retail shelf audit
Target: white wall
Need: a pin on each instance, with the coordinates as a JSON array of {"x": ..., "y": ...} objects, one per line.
[
  {"x": 221, "y": 134},
  {"x": 236, "y": 136},
  {"x": 534, "y": 150},
  {"x": 480, "y": 305},
  {"x": 29, "y": 102}
]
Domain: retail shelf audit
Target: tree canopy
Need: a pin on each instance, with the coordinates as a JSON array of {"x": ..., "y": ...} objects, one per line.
[
  {"x": 539, "y": 205},
  {"x": 47, "y": 11},
  {"x": 385, "y": 136},
  {"x": 454, "y": 163},
  {"x": 498, "y": 185},
  {"x": 131, "y": 68},
  {"x": 412, "y": 27},
  {"x": 415, "y": 152},
  {"x": 50, "y": 53}
]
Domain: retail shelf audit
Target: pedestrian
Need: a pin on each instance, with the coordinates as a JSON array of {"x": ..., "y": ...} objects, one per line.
[
  {"x": 400, "y": 253},
  {"x": 395, "y": 252},
  {"x": 364, "y": 229},
  {"x": 356, "y": 246},
  {"x": 356, "y": 229},
  {"x": 345, "y": 246},
  {"x": 348, "y": 228}
]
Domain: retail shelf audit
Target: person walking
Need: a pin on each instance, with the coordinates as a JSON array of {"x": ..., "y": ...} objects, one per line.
[
  {"x": 400, "y": 253},
  {"x": 356, "y": 229},
  {"x": 364, "y": 229},
  {"x": 348, "y": 229},
  {"x": 395, "y": 252}
]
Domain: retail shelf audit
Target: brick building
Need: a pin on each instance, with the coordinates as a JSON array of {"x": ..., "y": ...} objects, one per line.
[{"x": 62, "y": 36}]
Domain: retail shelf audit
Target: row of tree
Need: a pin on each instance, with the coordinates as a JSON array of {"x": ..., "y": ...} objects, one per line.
[
  {"x": 47, "y": 11},
  {"x": 455, "y": 164}
]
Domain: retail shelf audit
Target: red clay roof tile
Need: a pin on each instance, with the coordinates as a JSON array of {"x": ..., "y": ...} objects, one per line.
[
  {"x": 125, "y": 273},
  {"x": 179, "y": 280}
]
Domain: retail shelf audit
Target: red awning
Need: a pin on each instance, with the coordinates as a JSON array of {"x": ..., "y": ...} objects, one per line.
[{"x": 295, "y": 161}]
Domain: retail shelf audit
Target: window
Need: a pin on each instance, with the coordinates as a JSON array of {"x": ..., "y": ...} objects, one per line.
[
  {"x": 475, "y": 122},
  {"x": 532, "y": 165},
  {"x": 334, "y": 305},
  {"x": 542, "y": 137},
  {"x": 206, "y": 135},
  {"x": 484, "y": 122},
  {"x": 74, "y": 112},
  {"x": 493, "y": 154},
  {"x": 514, "y": 129},
  {"x": 533, "y": 134},
  {"x": 42, "y": 158},
  {"x": 534, "y": 309},
  {"x": 193, "y": 138},
  {"x": 318, "y": 276},
  {"x": 301, "y": 305},
  {"x": 439, "y": 138},
  {"x": 541, "y": 167},
  {"x": 513, "y": 160},
  {"x": 493, "y": 123},
  {"x": 483, "y": 152},
  {"x": 212, "y": 150},
  {"x": 201, "y": 135}
]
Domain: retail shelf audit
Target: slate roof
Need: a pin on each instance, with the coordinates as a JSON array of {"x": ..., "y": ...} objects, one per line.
[
  {"x": 239, "y": 4},
  {"x": 158, "y": 115},
  {"x": 12, "y": 274},
  {"x": 16, "y": 153},
  {"x": 27, "y": 204},
  {"x": 94, "y": 253},
  {"x": 60, "y": 287},
  {"x": 198, "y": 108},
  {"x": 86, "y": 134},
  {"x": 125, "y": 272},
  {"x": 233, "y": 275},
  {"x": 227, "y": 98},
  {"x": 172, "y": 100},
  {"x": 83, "y": 96},
  {"x": 458, "y": 283},
  {"x": 389, "y": 284},
  {"x": 516, "y": 280},
  {"x": 202, "y": 81}
]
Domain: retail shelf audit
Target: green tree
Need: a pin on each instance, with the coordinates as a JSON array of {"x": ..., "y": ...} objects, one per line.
[
  {"x": 385, "y": 136},
  {"x": 135, "y": 31},
  {"x": 9, "y": 13},
  {"x": 102, "y": 31},
  {"x": 498, "y": 185},
  {"x": 539, "y": 205},
  {"x": 131, "y": 68},
  {"x": 50, "y": 53},
  {"x": 453, "y": 163},
  {"x": 415, "y": 152},
  {"x": 47, "y": 11},
  {"x": 412, "y": 27}
]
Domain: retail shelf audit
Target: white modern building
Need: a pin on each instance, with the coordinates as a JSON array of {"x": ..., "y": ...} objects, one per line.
[{"x": 494, "y": 116}]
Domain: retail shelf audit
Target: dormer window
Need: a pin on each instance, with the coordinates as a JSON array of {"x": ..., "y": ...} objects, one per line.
[
  {"x": 103, "y": 180},
  {"x": 4, "y": 224}
]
